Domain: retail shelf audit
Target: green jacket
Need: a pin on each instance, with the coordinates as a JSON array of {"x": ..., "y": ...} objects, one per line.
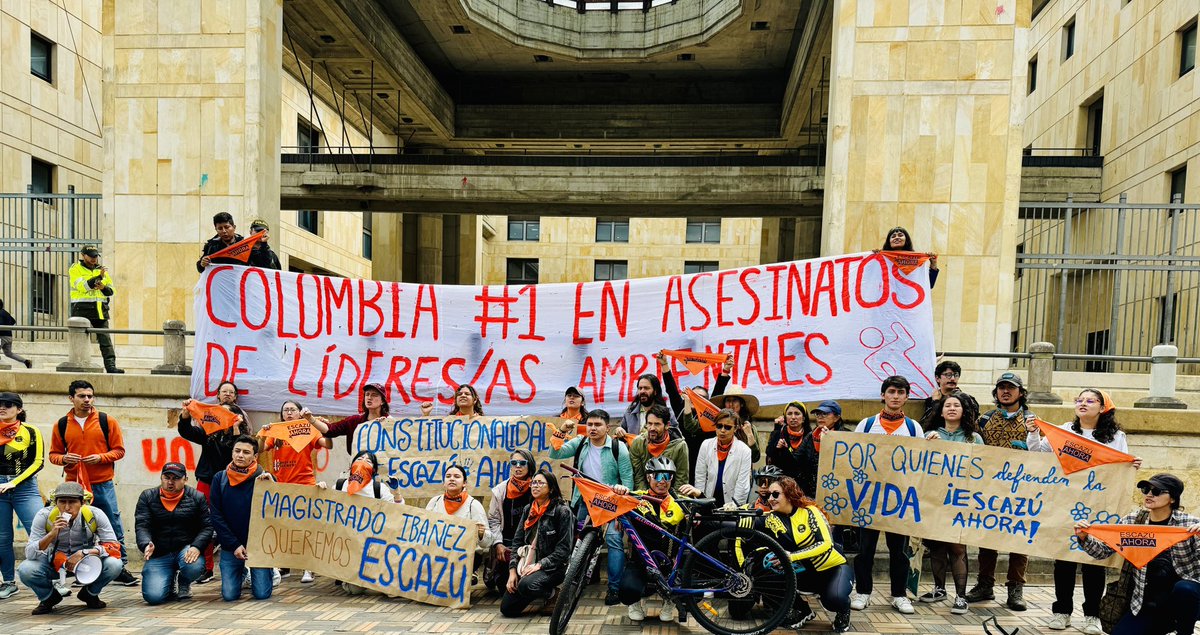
[
  {"x": 619, "y": 472},
  {"x": 677, "y": 451}
]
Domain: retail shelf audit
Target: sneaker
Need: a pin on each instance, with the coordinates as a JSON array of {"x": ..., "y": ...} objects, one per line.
[
  {"x": 92, "y": 601},
  {"x": 276, "y": 579},
  {"x": 612, "y": 598},
  {"x": 936, "y": 595},
  {"x": 800, "y": 617},
  {"x": 284, "y": 572},
  {"x": 205, "y": 578},
  {"x": 903, "y": 605},
  {"x": 1016, "y": 598},
  {"x": 307, "y": 578},
  {"x": 48, "y": 604},
  {"x": 1091, "y": 625},
  {"x": 28, "y": 364},
  {"x": 246, "y": 579},
  {"x": 960, "y": 606},
  {"x": 668, "y": 613},
  {"x": 859, "y": 601},
  {"x": 125, "y": 578},
  {"x": 7, "y": 590},
  {"x": 1059, "y": 622},
  {"x": 63, "y": 588},
  {"x": 981, "y": 593},
  {"x": 841, "y": 623},
  {"x": 637, "y": 611},
  {"x": 185, "y": 591}
]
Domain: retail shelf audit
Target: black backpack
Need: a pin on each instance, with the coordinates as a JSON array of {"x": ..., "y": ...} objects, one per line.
[{"x": 62, "y": 430}]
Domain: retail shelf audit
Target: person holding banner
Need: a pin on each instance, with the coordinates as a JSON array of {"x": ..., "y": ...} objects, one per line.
[
  {"x": 21, "y": 449},
  {"x": 899, "y": 240},
  {"x": 666, "y": 513},
  {"x": 785, "y": 448},
  {"x": 947, "y": 374},
  {"x": 226, "y": 237},
  {"x": 229, "y": 511},
  {"x": 456, "y": 501},
  {"x": 1165, "y": 596},
  {"x": 688, "y": 419},
  {"x": 542, "y": 543},
  {"x": 893, "y": 392},
  {"x": 172, "y": 529},
  {"x": 725, "y": 463},
  {"x": 372, "y": 405},
  {"x": 649, "y": 393},
  {"x": 1096, "y": 421},
  {"x": 657, "y": 442},
  {"x": 509, "y": 499}
]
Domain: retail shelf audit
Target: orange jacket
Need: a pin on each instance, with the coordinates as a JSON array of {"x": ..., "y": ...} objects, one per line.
[{"x": 87, "y": 441}]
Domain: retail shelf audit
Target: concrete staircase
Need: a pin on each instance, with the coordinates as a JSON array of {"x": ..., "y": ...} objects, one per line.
[{"x": 47, "y": 355}]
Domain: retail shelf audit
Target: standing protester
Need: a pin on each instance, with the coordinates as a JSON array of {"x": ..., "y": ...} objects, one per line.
[
  {"x": 229, "y": 511},
  {"x": 68, "y": 530},
  {"x": 456, "y": 501},
  {"x": 1165, "y": 597},
  {"x": 657, "y": 442},
  {"x": 261, "y": 255},
  {"x": 172, "y": 529},
  {"x": 649, "y": 393},
  {"x": 216, "y": 451},
  {"x": 899, "y": 240},
  {"x": 6, "y": 337},
  {"x": 21, "y": 450},
  {"x": 91, "y": 288},
  {"x": 891, "y": 420},
  {"x": 688, "y": 422},
  {"x": 545, "y": 534},
  {"x": 604, "y": 460},
  {"x": 1004, "y": 427},
  {"x": 724, "y": 466},
  {"x": 509, "y": 500},
  {"x": 744, "y": 405},
  {"x": 574, "y": 410},
  {"x": 953, "y": 419},
  {"x": 466, "y": 402},
  {"x": 947, "y": 374},
  {"x": 667, "y": 514},
  {"x": 1096, "y": 420},
  {"x": 226, "y": 236},
  {"x": 87, "y": 443},
  {"x": 785, "y": 448},
  {"x": 372, "y": 405}
]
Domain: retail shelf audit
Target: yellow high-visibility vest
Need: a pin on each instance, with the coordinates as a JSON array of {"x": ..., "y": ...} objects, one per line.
[{"x": 81, "y": 292}]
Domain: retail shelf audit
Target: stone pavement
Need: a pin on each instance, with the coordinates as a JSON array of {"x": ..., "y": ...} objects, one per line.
[{"x": 323, "y": 608}]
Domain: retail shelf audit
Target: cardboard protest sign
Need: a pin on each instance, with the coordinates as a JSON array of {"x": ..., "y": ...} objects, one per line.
[
  {"x": 1003, "y": 499},
  {"x": 239, "y": 250},
  {"x": 796, "y": 330},
  {"x": 1139, "y": 544},
  {"x": 395, "y": 549},
  {"x": 298, "y": 434},
  {"x": 212, "y": 417},
  {"x": 696, "y": 362},
  {"x": 417, "y": 451},
  {"x": 1076, "y": 452}
]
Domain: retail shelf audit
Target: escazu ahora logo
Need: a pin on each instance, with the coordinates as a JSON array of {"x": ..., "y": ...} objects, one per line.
[
  {"x": 1077, "y": 451},
  {"x": 604, "y": 503},
  {"x": 1138, "y": 539}
]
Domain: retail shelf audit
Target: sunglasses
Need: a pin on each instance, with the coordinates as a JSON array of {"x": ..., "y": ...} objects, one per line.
[
  {"x": 519, "y": 463},
  {"x": 724, "y": 427},
  {"x": 1153, "y": 491},
  {"x": 775, "y": 495},
  {"x": 8, "y": 404},
  {"x": 766, "y": 481},
  {"x": 663, "y": 477}
]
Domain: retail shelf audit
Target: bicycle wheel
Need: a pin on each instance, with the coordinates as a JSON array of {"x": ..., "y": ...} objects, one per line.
[
  {"x": 578, "y": 570},
  {"x": 745, "y": 598}
]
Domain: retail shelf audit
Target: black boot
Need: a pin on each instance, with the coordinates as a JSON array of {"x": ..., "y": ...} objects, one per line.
[
  {"x": 92, "y": 601},
  {"x": 48, "y": 604},
  {"x": 113, "y": 370}
]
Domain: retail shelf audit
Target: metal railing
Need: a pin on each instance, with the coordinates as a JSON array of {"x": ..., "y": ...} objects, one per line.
[{"x": 78, "y": 333}]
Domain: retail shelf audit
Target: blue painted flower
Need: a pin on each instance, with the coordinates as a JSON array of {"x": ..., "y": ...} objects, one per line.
[
  {"x": 1080, "y": 512},
  {"x": 1106, "y": 518},
  {"x": 835, "y": 503},
  {"x": 829, "y": 481},
  {"x": 862, "y": 518},
  {"x": 1075, "y": 543},
  {"x": 860, "y": 476}
]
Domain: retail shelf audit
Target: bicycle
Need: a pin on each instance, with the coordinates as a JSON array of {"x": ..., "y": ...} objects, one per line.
[{"x": 722, "y": 580}]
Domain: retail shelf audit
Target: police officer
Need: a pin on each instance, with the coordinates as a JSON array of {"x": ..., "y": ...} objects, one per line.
[{"x": 91, "y": 288}]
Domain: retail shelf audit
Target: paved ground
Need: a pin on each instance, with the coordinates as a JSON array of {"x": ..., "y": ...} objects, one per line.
[{"x": 323, "y": 608}]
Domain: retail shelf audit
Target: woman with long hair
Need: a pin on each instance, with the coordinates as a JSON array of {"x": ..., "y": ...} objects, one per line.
[
  {"x": 372, "y": 405},
  {"x": 785, "y": 448},
  {"x": 724, "y": 466},
  {"x": 897, "y": 239},
  {"x": 509, "y": 499},
  {"x": 21, "y": 458},
  {"x": 466, "y": 402},
  {"x": 456, "y": 501},
  {"x": 289, "y": 465},
  {"x": 541, "y": 546}
]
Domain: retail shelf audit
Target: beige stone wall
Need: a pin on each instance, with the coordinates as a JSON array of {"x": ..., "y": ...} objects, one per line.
[{"x": 568, "y": 249}]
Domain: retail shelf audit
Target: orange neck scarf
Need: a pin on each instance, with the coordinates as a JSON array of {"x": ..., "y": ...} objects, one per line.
[
  {"x": 536, "y": 511},
  {"x": 793, "y": 441},
  {"x": 238, "y": 475},
  {"x": 518, "y": 488},
  {"x": 891, "y": 422},
  {"x": 170, "y": 501},
  {"x": 723, "y": 450},
  {"x": 665, "y": 504},
  {"x": 761, "y": 504},
  {"x": 454, "y": 503},
  {"x": 656, "y": 449},
  {"x": 360, "y": 474},
  {"x": 8, "y": 431}
]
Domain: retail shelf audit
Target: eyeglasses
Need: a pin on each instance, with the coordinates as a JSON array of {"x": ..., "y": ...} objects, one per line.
[
  {"x": 539, "y": 484},
  {"x": 519, "y": 463},
  {"x": 724, "y": 427},
  {"x": 663, "y": 477},
  {"x": 8, "y": 404},
  {"x": 950, "y": 375},
  {"x": 1090, "y": 402},
  {"x": 1152, "y": 491},
  {"x": 775, "y": 495}
]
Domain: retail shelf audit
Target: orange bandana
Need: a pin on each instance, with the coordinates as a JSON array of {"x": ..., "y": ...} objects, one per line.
[
  {"x": 168, "y": 501},
  {"x": 238, "y": 475},
  {"x": 603, "y": 504},
  {"x": 1139, "y": 544},
  {"x": 759, "y": 504},
  {"x": 723, "y": 452},
  {"x": 656, "y": 449},
  {"x": 696, "y": 362},
  {"x": 536, "y": 510},
  {"x": 890, "y": 422},
  {"x": 664, "y": 505},
  {"x": 454, "y": 503},
  {"x": 360, "y": 474},
  {"x": 518, "y": 488},
  {"x": 557, "y": 437},
  {"x": 8, "y": 431},
  {"x": 793, "y": 441},
  {"x": 1076, "y": 452}
]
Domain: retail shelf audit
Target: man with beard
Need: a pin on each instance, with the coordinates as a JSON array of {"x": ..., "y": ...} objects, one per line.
[
  {"x": 172, "y": 529},
  {"x": 1004, "y": 427},
  {"x": 649, "y": 393},
  {"x": 232, "y": 492},
  {"x": 946, "y": 373},
  {"x": 657, "y": 442}
]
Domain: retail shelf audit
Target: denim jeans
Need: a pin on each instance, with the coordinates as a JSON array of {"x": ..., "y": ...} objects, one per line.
[
  {"x": 614, "y": 538},
  {"x": 233, "y": 571},
  {"x": 104, "y": 497},
  {"x": 24, "y": 501},
  {"x": 39, "y": 576},
  {"x": 1177, "y": 614},
  {"x": 158, "y": 575}
]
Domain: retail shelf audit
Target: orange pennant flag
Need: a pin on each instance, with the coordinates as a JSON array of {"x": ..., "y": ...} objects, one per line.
[
  {"x": 298, "y": 434},
  {"x": 907, "y": 261},
  {"x": 557, "y": 437},
  {"x": 239, "y": 250},
  {"x": 696, "y": 362},
  {"x": 602, "y": 502},
  {"x": 1138, "y": 544},
  {"x": 706, "y": 412},
  {"x": 213, "y": 418},
  {"x": 1076, "y": 452}
]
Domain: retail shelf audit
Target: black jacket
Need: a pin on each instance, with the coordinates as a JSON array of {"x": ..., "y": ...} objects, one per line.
[
  {"x": 187, "y": 526},
  {"x": 260, "y": 256},
  {"x": 216, "y": 450},
  {"x": 6, "y": 319},
  {"x": 556, "y": 538}
]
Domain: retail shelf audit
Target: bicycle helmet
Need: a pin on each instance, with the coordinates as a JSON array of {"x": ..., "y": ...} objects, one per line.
[
  {"x": 769, "y": 471},
  {"x": 660, "y": 464}
]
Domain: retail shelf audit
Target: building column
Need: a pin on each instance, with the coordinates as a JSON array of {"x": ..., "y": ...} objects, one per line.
[
  {"x": 926, "y": 110},
  {"x": 192, "y": 101}
]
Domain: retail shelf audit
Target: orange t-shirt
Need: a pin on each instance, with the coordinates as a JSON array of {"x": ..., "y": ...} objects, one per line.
[{"x": 295, "y": 467}]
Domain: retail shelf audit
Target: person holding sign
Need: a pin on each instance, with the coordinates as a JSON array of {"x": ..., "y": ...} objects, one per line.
[
  {"x": 509, "y": 500},
  {"x": 657, "y": 442},
  {"x": 665, "y": 513},
  {"x": 952, "y": 419},
  {"x": 785, "y": 448},
  {"x": 1165, "y": 596},
  {"x": 225, "y": 237},
  {"x": 456, "y": 501},
  {"x": 688, "y": 420},
  {"x": 229, "y": 511},
  {"x": 892, "y": 421},
  {"x": 574, "y": 410},
  {"x": 545, "y": 534},
  {"x": 172, "y": 529},
  {"x": 372, "y": 405},
  {"x": 899, "y": 240},
  {"x": 21, "y": 449},
  {"x": 744, "y": 405},
  {"x": 725, "y": 463}
]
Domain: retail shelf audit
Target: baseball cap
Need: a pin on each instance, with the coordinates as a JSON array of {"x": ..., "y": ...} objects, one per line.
[
  {"x": 259, "y": 224},
  {"x": 91, "y": 251},
  {"x": 1010, "y": 378},
  {"x": 1168, "y": 482},
  {"x": 829, "y": 406},
  {"x": 573, "y": 391},
  {"x": 12, "y": 397},
  {"x": 175, "y": 468}
]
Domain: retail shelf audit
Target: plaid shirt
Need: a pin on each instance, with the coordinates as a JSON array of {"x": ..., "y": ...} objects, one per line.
[{"x": 1185, "y": 555}]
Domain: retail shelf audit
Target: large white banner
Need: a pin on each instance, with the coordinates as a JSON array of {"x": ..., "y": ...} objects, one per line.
[{"x": 812, "y": 329}]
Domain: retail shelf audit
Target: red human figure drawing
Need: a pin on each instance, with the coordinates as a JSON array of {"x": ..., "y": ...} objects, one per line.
[{"x": 891, "y": 357}]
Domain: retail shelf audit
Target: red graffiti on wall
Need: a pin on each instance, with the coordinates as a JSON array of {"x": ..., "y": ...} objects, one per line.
[{"x": 154, "y": 453}]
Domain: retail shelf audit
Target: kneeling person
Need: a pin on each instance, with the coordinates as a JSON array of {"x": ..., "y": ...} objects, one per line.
[
  {"x": 172, "y": 528},
  {"x": 67, "y": 531},
  {"x": 541, "y": 546},
  {"x": 232, "y": 492},
  {"x": 660, "y": 474}
]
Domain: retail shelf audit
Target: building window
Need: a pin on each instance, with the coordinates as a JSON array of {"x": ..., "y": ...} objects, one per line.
[
  {"x": 1014, "y": 341},
  {"x": 522, "y": 271},
  {"x": 308, "y": 138},
  {"x": 700, "y": 266},
  {"x": 44, "y": 296},
  {"x": 1032, "y": 75},
  {"x": 704, "y": 232},
  {"x": 309, "y": 220},
  {"x": 611, "y": 270},
  {"x": 1069, "y": 40},
  {"x": 1167, "y": 319},
  {"x": 41, "y": 176},
  {"x": 1020, "y": 259},
  {"x": 1187, "y": 49},
  {"x": 366, "y": 235},
  {"x": 524, "y": 230},
  {"x": 1097, "y": 344},
  {"x": 1095, "y": 125},
  {"x": 41, "y": 57},
  {"x": 1178, "y": 180},
  {"x": 612, "y": 231}
]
